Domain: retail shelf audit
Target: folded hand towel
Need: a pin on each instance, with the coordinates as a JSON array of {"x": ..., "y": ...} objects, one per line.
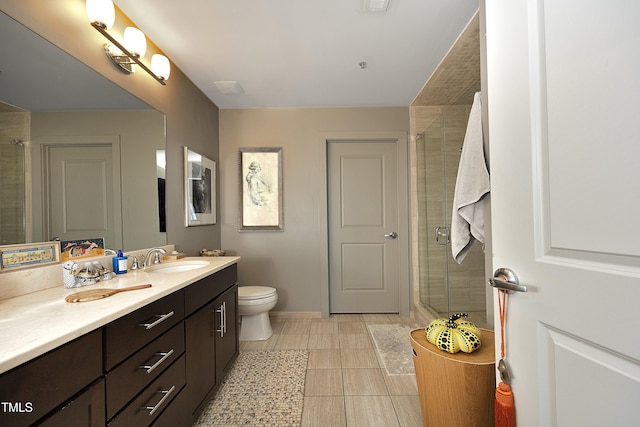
[{"x": 472, "y": 183}]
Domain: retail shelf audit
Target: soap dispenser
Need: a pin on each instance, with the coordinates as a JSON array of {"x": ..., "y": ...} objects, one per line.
[{"x": 119, "y": 263}]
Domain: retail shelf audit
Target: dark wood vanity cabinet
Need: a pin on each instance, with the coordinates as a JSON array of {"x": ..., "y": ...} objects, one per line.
[
  {"x": 211, "y": 335},
  {"x": 129, "y": 333},
  {"x": 158, "y": 365},
  {"x": 34, "y": 389},
  {"x": 86, "y": 409},
  {"x": 144, "y": 361},
  {"x": 227, "y": 334}
]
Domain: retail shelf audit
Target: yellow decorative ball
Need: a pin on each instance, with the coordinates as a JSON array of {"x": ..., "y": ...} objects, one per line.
[{"x": 454, "y": 334}]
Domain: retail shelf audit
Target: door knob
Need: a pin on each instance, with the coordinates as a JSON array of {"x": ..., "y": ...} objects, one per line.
[
  {"x": 392, "y": 235},
  {"x": 506, "y": 279}
]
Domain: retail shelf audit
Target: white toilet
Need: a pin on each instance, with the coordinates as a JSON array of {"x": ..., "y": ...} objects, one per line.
[{"x": 254, "y": 303}]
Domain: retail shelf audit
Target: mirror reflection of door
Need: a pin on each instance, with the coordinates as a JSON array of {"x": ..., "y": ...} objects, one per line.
[{"x": 81, "y": 193}]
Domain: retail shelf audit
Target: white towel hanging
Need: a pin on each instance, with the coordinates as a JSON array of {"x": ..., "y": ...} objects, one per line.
[{"x": 472, "y": 184}]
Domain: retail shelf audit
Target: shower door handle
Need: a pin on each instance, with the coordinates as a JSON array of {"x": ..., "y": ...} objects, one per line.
[
  {"x": 392, "y": 235},
  {"x": 442, "y": 231}
]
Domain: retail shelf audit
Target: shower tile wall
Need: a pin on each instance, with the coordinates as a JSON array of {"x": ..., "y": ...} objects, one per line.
[{"x": 13, "y": 125}]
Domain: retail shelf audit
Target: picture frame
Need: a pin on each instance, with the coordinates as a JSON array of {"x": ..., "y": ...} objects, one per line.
[
  {"x": 16, "y": 257},
  {"x": 199, "y": 189},
  {"x": 71, "y": 250},
  {"x": 261, "y": 207}
]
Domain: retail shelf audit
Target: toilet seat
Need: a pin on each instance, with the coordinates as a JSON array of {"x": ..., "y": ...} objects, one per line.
[{"x": 250, "y": 293}]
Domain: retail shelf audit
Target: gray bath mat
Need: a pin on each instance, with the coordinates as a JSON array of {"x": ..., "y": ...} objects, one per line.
[
  {"x": 264, "y": 388},
  {"x": 393, "y": 343}
]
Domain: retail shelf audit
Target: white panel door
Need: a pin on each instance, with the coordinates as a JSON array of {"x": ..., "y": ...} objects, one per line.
[
  {"x": 81, "y": 197},
  {"x": 363, "y": 208},
  {"x": 563, "y": 107}
]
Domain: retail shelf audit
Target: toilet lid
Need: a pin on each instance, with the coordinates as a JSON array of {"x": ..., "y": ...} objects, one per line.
[{"x": 255, "y": 292}]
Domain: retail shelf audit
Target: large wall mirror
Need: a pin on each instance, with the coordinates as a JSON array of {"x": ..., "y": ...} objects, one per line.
[{"x": 79, "y": 156}]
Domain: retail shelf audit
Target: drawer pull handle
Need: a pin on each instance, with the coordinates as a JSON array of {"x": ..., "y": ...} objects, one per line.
[
  {"x": 161, "y": 318},
  {"x": 152, "y": 409},
  {"x": 165, "y": 355}
]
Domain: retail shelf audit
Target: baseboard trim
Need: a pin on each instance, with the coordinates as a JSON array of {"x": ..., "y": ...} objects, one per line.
[
  {"x": 295, "y": 314},
  {"x": 424, "y": 315}
]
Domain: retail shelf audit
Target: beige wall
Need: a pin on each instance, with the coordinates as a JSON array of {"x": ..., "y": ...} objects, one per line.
[
  {"x": 192, "y": 119},
  {"x": 294, "y": 260}
]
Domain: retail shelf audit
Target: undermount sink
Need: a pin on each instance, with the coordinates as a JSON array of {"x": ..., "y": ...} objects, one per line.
[{"x": 176, "y": 267}]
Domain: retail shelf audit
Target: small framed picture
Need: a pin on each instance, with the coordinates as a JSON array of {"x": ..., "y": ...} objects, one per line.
[
  {"x": 199, "y": 189},
  {"x": 85, "y": 248},
  {"x": 15, "y": 257},
  {"x": 261, "y": 189}
]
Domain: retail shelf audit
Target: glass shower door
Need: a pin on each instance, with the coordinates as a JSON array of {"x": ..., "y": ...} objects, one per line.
[
  {"x": 12, "y": 192},
  {"x": 446, "y": 287}
]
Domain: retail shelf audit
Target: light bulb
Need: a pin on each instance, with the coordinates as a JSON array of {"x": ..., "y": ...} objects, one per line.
[
  {"x": 160, "y": 66},
  {"x": 135, "y": 41},
  {"x": 102, "y": 12}
]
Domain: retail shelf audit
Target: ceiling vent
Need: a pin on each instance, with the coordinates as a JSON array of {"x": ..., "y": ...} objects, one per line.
[
  {"x": 375, "y": 5},
  {"x": 229, "y": 87}
]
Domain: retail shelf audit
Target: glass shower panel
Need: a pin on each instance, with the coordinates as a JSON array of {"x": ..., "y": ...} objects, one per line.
[
  {"x": 445, "y": 286},
  {"x": 12, "y": 192},
  {"x": 431, "y": 212}
]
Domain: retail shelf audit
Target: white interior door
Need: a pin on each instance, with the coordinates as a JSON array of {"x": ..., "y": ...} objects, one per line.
[
  {"x": 82, "y": 194},
  {"x": 363, "y": 227},
  {"x": 563, "y": 108}
]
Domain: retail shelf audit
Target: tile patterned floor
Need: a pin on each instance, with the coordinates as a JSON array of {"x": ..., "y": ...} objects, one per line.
[
  {"x": 346, "y": 383},
  {"x": 246, "y": 397}
]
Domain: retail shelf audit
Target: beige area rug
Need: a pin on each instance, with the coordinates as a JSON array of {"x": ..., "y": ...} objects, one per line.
[
  {"x": 264, "y": 388},
  {"x": 393, "y": 343}
]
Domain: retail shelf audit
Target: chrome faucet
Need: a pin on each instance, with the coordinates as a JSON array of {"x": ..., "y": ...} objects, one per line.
[{"x": 156, "y": 260}]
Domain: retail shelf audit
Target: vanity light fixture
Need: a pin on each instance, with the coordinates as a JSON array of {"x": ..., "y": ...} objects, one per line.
[
  {"x": 128, "y": 54},
  {"x": 135, "y": 41},
  {"x": 102, "y": 12}
]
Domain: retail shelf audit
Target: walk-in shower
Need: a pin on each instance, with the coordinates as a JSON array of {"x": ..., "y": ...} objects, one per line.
[
  {"x": 12, "y": 191},
  {"x": 445, "y": 287}
]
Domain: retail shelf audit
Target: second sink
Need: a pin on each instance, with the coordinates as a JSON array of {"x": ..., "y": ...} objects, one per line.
[{"x": 176, "y": 267}]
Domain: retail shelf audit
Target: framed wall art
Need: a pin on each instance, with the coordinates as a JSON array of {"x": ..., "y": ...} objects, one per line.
[
  {"x": 199, "y": 189},
  {"x": 15, "y": 257},
  {"x": 261, "y": 189},
  {"x": 83, "y": 248}
]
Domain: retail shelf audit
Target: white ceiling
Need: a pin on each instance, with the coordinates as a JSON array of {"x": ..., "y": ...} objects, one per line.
[{"x": 304, "y": 53}]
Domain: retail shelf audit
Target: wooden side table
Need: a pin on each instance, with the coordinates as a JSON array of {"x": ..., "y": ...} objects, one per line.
[{"x": 455, "y": 389}]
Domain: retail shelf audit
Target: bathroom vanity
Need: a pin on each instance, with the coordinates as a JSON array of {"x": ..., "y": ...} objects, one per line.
[{"x": 148, "y": 357}]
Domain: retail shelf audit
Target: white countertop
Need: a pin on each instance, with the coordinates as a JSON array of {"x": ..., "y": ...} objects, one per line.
[{"x": 35, "y": 323}]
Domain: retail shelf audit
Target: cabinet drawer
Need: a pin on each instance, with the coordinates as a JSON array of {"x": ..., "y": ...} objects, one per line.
[
  {"x": 84, "y": 410},
  {"x": 128, "y": 334},
  {"x": 30, "y": 391},
  {"x": 135, "y": 373},
  {"x": 145, "y": 408},
  {"x": 206, "y": 289}
]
